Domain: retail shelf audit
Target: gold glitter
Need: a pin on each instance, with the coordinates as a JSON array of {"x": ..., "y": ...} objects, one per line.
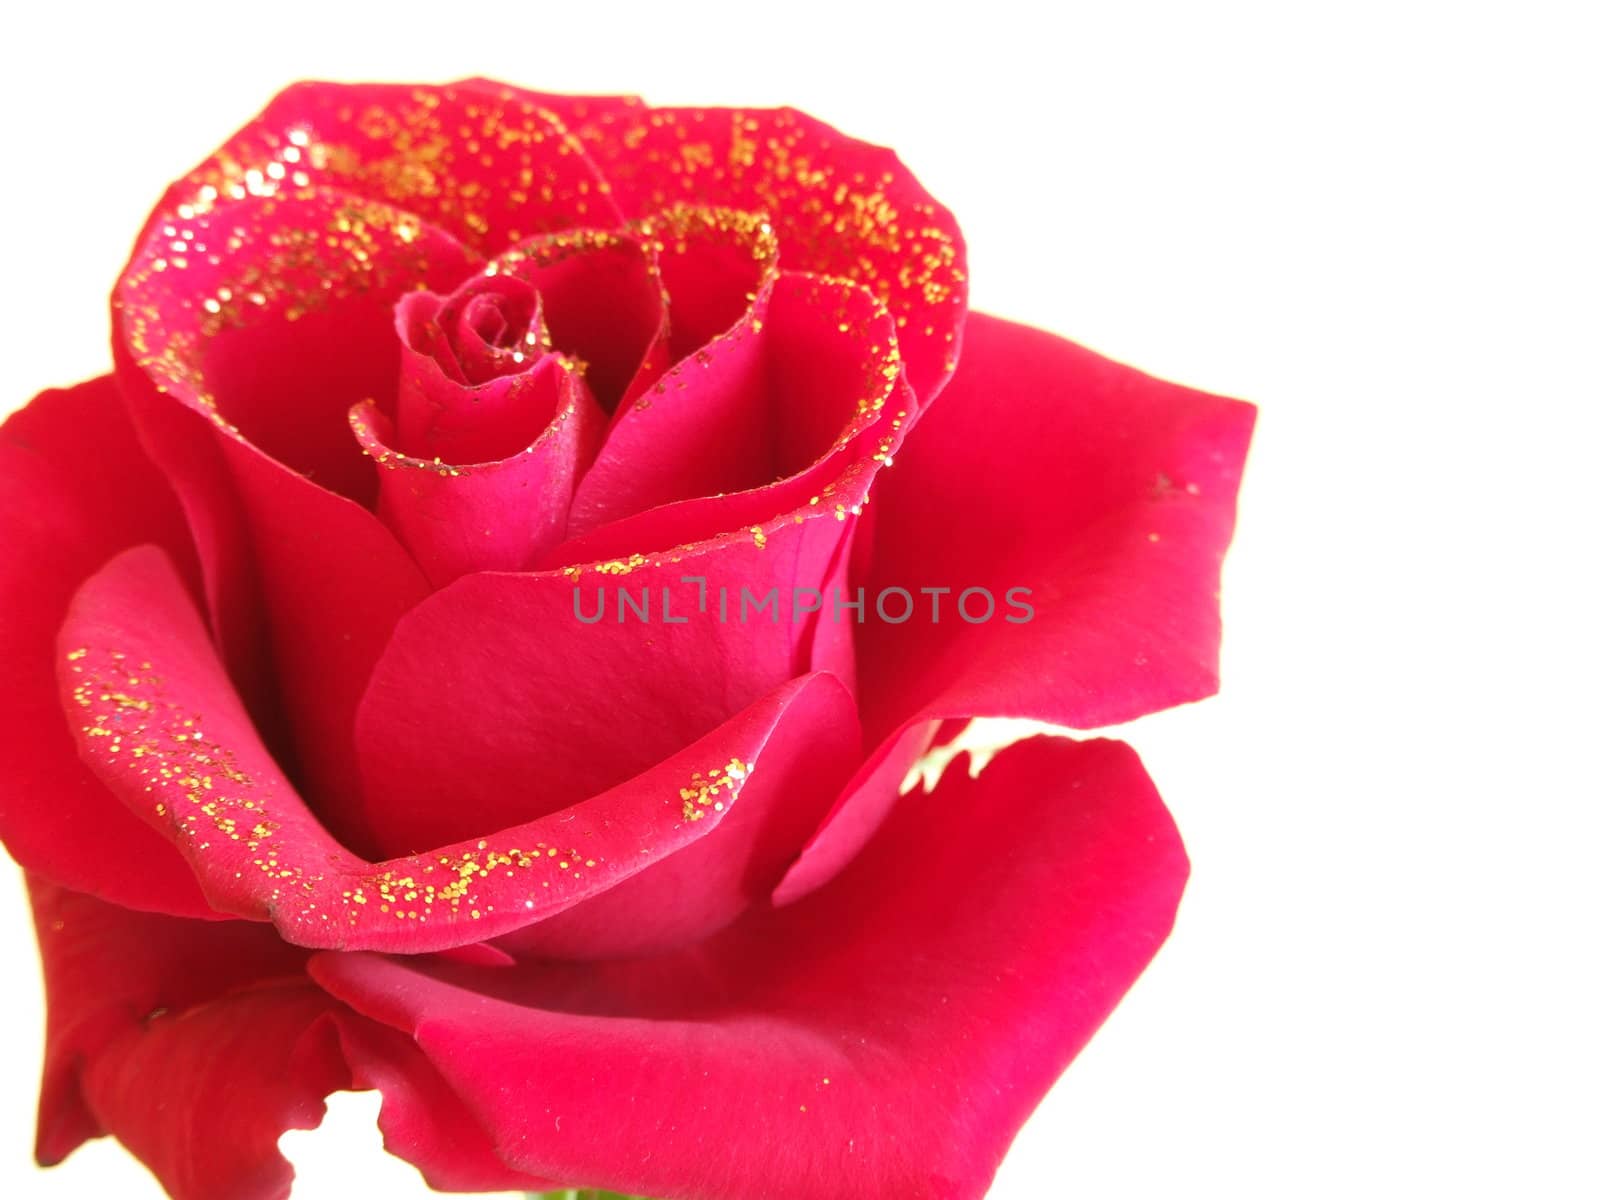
[
  {"x": 618, "y": 566},
  {"x": 703, "y": 791}
]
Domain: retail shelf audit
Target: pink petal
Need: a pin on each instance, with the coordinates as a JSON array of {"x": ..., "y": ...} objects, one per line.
[
  {"x": 75, "y": 488},
  {"x": 439, "y": 412},
  {"x": 712, "y": 262},
  {"x": 1107, "y": 493},
  {"x": 885, "y": 1037},
  {"x": 488, "y": 440},
  {"x": 1117, "y": 495},
  {"x": 159, "y": 723},
  {"x": 334, "y": 581}
]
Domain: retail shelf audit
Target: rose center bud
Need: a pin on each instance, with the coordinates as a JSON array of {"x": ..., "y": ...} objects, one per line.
[
  {"x": 504, "y": 387},
  {"x": 501, "y": 330},
  {"x": 486, "y": 434},
  {"x": 467, "y": 390}
]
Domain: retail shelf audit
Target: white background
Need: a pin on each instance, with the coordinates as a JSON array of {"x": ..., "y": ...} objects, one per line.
[{"x": 1379, "y": 223}]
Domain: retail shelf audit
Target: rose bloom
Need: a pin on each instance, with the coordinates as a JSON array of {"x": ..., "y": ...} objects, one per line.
[{"x": 319, "y": 784}]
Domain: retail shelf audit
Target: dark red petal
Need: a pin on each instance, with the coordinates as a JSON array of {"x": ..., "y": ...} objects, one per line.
[
  {"x": 887, "y": 1036},
  {"x": 1107, "y": 493},
  {"x": 197, "y": 1045},
  {"x": 491, "y": 171},
  {"x": 75, "y": 488},
  {"x": 839, "y": 206},
  {"x": 113, "y": 978},
  {"x": 422, "y": 1120},
  {"x": 161, "y": 725}
]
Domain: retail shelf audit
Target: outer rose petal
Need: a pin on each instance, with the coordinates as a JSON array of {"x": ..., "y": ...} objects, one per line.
[
  {"x": 74, "y": 489},
  {"x": 886, "y": 1037},
  {"x": 1116, "y": 491},
  {"x": 422, "y": 1120},
  {"x": 234, "y": 1075},
  {"x": 117, "y": 983},
  {"x": 159, "y": 722},
  {"x": 242, "y": 1044},
  {"x": 1108, "y": 493},
  {"x": 490, "y": 171}
]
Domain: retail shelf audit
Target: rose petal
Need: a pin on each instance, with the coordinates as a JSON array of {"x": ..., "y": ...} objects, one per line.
[
  {"x": 272, "y": 316},
  {"x": 114, "y": 978},
  {"x": 547, "y": 699},
  {"x": 710, "y": 882},
  {"x": 590, "y": 333},
  {"x": 440, "y": 413},
  {"x": 161, "y": 726},
  {"x": 839, "y": 206},
  {"x": 889, "y": 1035},
  {"x": 242, "y": 1045},
  {"x": 443, "y": 153},
  {"x": 713, "y": 262},
  {"x": 488, "y": 516},
  {"x": 182, "y": 444},
  {"x": 804, "y": 378},
  {"x": 473, "y": 336},
  {"x": 280, "y": 318},
  {"x": 422, "y": 1120},
  {"x": 1116, "y": 493},
  {"x": 75, "y": 488},
  {"x": 602, "y": 305}
]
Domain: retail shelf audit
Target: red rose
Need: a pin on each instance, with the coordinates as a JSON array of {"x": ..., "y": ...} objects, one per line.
[{"x": 326, "y": 774}]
